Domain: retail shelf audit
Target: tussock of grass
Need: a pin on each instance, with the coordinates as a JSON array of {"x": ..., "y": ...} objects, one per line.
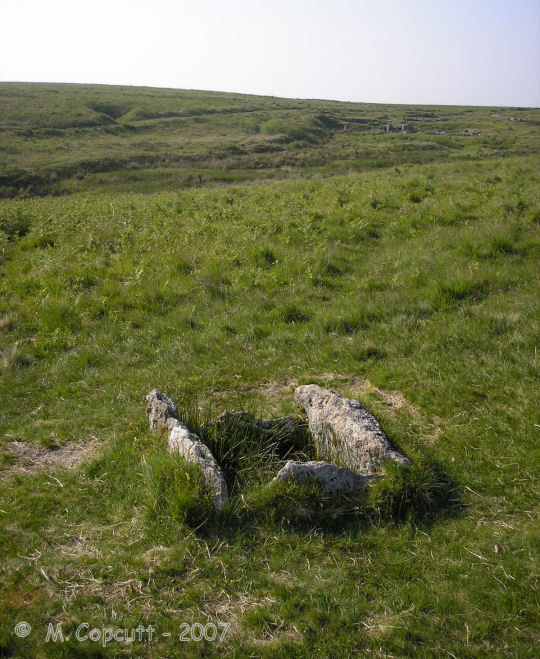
[
  {"x": 292, "y": 315},
  {"x": 15, "y": 224},
  {"x": 284, "y": 502},
  {"x": 244, "y": 455},
  {"x": 344, "y": 326},
  {"x": 460, "y": 290},
  {"x": 176, "y": 497},
  {"x": 411, "y": 492},
  {"x": 414, "y": 493},
  {"x": 266, "y": 257}
]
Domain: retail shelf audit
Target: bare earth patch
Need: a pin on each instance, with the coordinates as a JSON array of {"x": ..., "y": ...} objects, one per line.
[
  {"x": 233, "y": 609},
  {"x": 273, "y": 389},
  {"x": 382, "y": 623},
  {"x": 26, "y": 457}
]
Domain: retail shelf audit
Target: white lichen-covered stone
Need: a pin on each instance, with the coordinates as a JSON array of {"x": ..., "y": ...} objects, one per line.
[
  {"x": 161, "y": 410},
  {"x": 332, "y": 479},
  {"x": 190, "y": 447},
  {"x": 343, "y": 430}
]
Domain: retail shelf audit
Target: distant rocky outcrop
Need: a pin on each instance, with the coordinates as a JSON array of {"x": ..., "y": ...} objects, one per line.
[{"x": 402, "y": 128}]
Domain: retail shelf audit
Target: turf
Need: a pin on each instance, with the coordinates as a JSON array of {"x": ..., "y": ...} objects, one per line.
[{"x": 407, "y": 279}]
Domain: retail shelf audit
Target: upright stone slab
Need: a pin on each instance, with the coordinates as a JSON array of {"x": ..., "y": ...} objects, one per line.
[
  {"x": 343, "y": 430},
  {"x": 161, "y": 410},
  {"x": 190, "y": 447}
]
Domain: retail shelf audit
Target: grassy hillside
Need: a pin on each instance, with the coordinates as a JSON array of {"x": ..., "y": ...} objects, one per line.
[
  {"x": 409, "y": 282},
  {"x": 65, "y": 138}
]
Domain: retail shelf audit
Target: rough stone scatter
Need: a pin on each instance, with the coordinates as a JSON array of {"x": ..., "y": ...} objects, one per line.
[{"x": 342, "y": 430}]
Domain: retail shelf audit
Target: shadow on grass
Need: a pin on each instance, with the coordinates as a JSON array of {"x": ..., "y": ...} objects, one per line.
[{"x": 421, "y": 494}]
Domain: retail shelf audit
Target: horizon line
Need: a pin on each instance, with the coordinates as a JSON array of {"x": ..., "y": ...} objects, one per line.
[{"x": 260, "y": 95}]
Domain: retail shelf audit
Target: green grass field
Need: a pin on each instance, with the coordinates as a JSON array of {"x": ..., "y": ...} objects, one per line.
[{"x": 224, "y": 248}]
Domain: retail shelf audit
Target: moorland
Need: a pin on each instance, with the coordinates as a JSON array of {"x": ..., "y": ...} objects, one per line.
[{"x": 225, "y": 248}]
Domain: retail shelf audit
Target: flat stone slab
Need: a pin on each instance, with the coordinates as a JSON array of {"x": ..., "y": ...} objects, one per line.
[
  {"x": 190, "y": 447},
  {"x": 245, "y": 422},
  {"x": 333, "y": 479},
  {"x": 344, "y": 431}
]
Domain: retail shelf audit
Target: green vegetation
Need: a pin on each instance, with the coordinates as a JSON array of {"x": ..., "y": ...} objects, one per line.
[
  {"x": 176, "y": 495},
  {"x": 58, "y": 139},
  {"x": 407, "y": 279}
]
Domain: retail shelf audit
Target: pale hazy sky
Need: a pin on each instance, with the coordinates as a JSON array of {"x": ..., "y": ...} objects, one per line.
[{"x": 474, "y": 52}]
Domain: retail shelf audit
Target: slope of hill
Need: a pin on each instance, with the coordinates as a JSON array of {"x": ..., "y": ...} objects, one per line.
[
  {"x": 407, "y": 280},
  {"x": 65, "y": 138}
]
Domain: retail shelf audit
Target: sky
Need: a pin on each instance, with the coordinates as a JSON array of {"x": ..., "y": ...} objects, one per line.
[{"x": 456, "y": 52}]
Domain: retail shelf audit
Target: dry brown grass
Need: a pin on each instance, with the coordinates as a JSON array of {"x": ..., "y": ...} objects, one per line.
[{"x": 27, "y": 457}]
